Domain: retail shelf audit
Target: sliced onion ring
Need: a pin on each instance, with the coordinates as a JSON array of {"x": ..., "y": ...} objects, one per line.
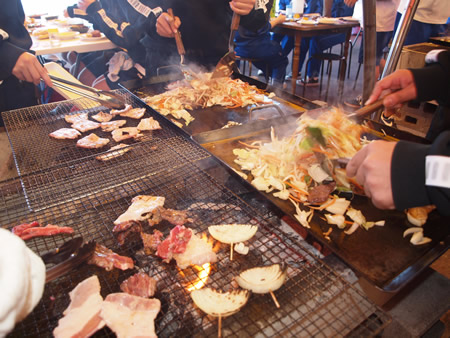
[
  {"x": 262, "y": 279},
  {"x": 217, "y": 304}
]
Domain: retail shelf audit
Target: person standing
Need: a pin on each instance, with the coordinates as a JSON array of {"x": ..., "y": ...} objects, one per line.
[{"x": 20, "y": 71}]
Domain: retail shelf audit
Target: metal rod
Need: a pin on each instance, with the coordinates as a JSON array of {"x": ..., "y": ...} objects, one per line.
[
  {"x": 369, "y": 17},
  {"x": 399, "y": 38}
]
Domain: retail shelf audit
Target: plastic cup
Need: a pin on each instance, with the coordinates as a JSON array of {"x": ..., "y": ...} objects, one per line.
[{"x": 53, "y": 35}]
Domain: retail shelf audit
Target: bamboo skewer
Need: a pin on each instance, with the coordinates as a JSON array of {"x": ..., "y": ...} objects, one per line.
[
  {"x": 231, "y": 251},
  {"x": 274, "y": 299},
  {"x": 219, "y": 333}
]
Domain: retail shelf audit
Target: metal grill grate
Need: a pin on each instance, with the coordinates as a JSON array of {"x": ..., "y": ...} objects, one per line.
[
  {"x": 34, "y": 150},
  {"x": 314, "y": 300}
]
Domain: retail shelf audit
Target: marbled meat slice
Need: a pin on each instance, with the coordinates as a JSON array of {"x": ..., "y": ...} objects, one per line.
[
  {"x": 140, "y": 284},
  {"x": 48, "y": 230},
  {"x": 108, "y": 259},
  {"x": 102, "y": 117},
  {"x": 130, "y": 316},
  {"x": 82, "y": 317},
  {"x": 85, "y": 125},
  {"x": 140, "y": 208},
  {"x": 115, "y": 112},
  {"x": 92, "y": 141},
  {"x": 176, "y": 242},
  {"x": 112, "y": 125},
  {"x": 148, "y": 124},
  {"x": 117, "y": 151},
  {"x": 75, "y": 117},
  {"x": 135, "y": 113},
  {"x": 65, "y": 133},
  {"x": 198, "y": 252},
  {"x": 121, "y": 134}
]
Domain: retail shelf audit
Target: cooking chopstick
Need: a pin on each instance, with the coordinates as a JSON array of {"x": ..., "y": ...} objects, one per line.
[{"x": 366, "y": 110}]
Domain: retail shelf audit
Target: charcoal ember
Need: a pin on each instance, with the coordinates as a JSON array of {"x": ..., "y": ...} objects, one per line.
[{"x": 320, "y": 193}]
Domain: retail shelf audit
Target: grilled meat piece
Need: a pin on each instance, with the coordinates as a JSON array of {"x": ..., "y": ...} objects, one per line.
[
  {"x": 121, "y": 111},
  {"x": 320, "y": 193},
  {"x": 118, "y": 151},
  {"x": 92, "y": 141},
  {"x": 112, "y": 125},
  {"x": 135, "y": 113},
  {"x": 126, "y": 228},
  {"x": 140, "y": 284},
  {"x": 148, "y": 124},
  {"x": 102, "y": 117},
  {"x": 175, "y": 217},
  {"x": 27, "y": 231},
  {"x": 141, "y": 208},
  {"x": 75, "y": 117},
  {"x": 121, "y": 134},
  {"x": 176, "y": 242},
  {"x": 65, "y": 133},
  {"x": 151, "y": 242},
  {"x": 85, "y": 125},
  {"x": 107, "y": 259}
]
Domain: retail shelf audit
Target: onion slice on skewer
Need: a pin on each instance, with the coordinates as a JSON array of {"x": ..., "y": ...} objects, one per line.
[
  {"x": 232, "y": 233},
  {"x": 264, "y": 279}
]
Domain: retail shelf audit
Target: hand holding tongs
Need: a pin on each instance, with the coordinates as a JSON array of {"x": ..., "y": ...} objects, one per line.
[{"x": 105, "y": 97}]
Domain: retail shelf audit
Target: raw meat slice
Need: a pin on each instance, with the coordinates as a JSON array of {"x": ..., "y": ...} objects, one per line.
[
  {"x": 65, "y": 133},
  {"x": 92, "y": 141},
  {"x": 82, "y": 317},
  {"x": 75, "y": 117},
  {"x": 112, "y": 125},
  {"x": 140, "y": 284},
  {"x": 19, "y": 229},
  {"x": 140, "y": 208},
  {"x": 148, "y": 124},
  {"x": 102, "y": 117},
  {"x": 135, "y": 113},
  {"x": 176, "y": 242},
  {"x": 121, "y": 134},
  {"x": 48, "y": 230},
  {"x": 198, "y": 252},
  {"x": 130, "y": 316},
  {"x": 108, "y": 259},
  {"x": 85, "y": 125}
]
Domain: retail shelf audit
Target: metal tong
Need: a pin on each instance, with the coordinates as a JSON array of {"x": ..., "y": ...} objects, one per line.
[
  {"x": 366, "y": 110},
  {"x": 67, "y": 257},
  {"x": 104, "y": 97}
]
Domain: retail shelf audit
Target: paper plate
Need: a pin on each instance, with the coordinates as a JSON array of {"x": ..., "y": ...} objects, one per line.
[{"x": 84, "y": 37}]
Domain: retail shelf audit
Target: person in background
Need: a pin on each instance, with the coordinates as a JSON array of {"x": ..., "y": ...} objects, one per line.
[
  {"x": 385, "y": 19},
  {"x": 259, "y": 45},
  {"x": 402, "y": 175},
  {"x": 429, "y": 20},
  {"x": 204, "y": 27},
  {"x": 20, "y": 71}
]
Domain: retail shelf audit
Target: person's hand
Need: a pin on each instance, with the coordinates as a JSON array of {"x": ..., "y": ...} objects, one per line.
[
  {"x": 371, "y": 166},
  {"x": 279, "y": 19},
  {"x": 242, "y": 7},
  {"x": 28, "y": 68},
  {"x": 66, "y": 13},
  {"x": 397, "y": 88},
  {"x": 84, "y": 4},
  {"x": 166, "y": 26},
  {"x": 350, "y": 3}
]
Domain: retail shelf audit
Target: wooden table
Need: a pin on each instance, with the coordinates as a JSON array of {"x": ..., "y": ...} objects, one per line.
[{"x": 300, "y": 31}]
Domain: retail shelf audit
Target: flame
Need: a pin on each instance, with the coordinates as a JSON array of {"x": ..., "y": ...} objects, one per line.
[{"x": 203, "y": 275}]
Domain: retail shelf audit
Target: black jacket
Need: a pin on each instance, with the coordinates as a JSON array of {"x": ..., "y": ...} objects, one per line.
[{"x": 410, "y": 185}]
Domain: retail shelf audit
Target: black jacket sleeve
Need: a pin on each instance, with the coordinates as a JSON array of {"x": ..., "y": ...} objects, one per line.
[{"x": 411, "y": 162}]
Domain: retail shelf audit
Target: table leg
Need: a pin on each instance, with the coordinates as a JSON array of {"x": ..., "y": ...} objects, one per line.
[
  {"x": 343, "y": 67},
  {"x": 295, "y": 60}
]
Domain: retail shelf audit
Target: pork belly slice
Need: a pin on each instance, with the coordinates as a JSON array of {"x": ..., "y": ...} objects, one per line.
[
  {"x": 92, "y": 141},
  {"x": 198, "y": 252},
  {"x": 135, "y": 113},
  {"x": 108, "y": 259},
  {"x": 115, "y": 112},
  {"x": 75, "y": 117},
  {"x": 140, "y": 284},
  {"x": 65, "y": 133},
  {"x": 130, "y": 316},
  {"x": 118, "y": 151},
  {"x": 140, "y": 208},
  {"x": 121, "y": 134},
  {"x": 82, "y": 317},
  {"x": 85, "y": 125},
  {"x": 112, "y": 125},
  {"x": 148, "y": 124},
  {"x": 102, "y": 117}
]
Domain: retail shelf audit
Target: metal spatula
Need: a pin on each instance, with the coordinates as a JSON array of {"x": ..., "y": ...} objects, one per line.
[{"x": 227, "y": 64}]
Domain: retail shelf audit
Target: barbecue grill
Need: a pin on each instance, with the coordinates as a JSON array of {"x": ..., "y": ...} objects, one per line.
[
  {"x": 79, "y": 191},
  {"x": 314, "y": 300}
]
